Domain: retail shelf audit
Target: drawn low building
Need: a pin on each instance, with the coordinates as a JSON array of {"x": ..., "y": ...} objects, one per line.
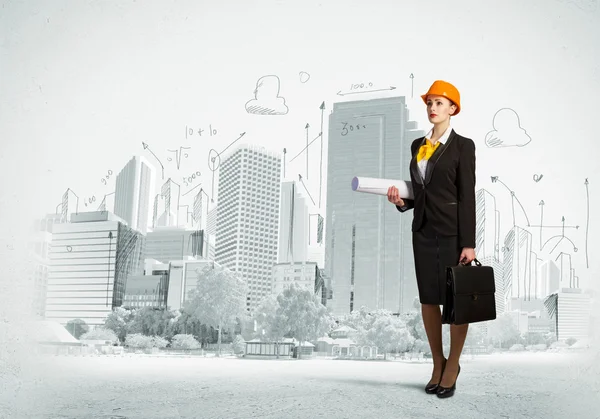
[{"x": 90, "y": 260}]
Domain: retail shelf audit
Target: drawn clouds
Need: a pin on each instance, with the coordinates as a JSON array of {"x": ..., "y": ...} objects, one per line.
[
  {"x": 507, "y": 130},
  {"x": 267, "y": 100}
]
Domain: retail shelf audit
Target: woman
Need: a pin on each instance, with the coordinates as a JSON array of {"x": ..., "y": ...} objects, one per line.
[{"x": 442, "y": 172}]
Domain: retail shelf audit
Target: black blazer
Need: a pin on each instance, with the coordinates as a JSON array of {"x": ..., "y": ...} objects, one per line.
[{"x": 446, "y": 197}]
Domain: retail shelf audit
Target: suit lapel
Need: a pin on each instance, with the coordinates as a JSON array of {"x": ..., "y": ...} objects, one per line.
[
  {"x": 414, "y": 168},
  {"x": 435, "y": 157}
]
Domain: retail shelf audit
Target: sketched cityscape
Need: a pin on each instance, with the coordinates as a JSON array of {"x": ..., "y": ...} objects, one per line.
[{"x": 143, "y": 244}]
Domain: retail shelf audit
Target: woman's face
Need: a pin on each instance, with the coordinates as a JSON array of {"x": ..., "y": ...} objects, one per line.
[{"x": 439, "y": 109}]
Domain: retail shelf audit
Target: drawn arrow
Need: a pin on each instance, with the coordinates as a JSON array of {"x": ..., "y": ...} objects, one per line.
[
  {"x": 322, "y": 107},
  {"x": 560, "y": 238},
  {"x": 587, "y": 221},
  {"x": 513, "y": 199},
  {"x": 157, "y": 159},
  {"x": 412, "y": 85},
  {"x": 307, "y": 127},
  {"x": 364, "y": 91},
  {"x": 233, "y": 142},
  {"x": 305, "y": 188},
  {"x": 561, "y": 226},
  {"x": 284, "y": 153}
]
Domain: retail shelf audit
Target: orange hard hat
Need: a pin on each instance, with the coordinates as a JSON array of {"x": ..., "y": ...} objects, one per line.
[{"x": 443, "y": 88}]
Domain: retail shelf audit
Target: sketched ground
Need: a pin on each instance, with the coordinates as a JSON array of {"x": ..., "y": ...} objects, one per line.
[{"x": 525, "y": 385}]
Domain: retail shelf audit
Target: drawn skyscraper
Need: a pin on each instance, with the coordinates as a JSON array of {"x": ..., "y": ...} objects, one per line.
[
  {"x": 293, "y": 225},
  {"x": 248, "y": 215},
  {"x": 487, "y": 235},
  {"x": 69, "y": 206},
  {"x": 166, "y": 205},
  {"x": 368, "y": 251},
  {"x": 517, "y": 260},
  {"x": 134, "y": 188},
  {"x": 487, "y": 239},
  {"x": 198, "y": 212}
]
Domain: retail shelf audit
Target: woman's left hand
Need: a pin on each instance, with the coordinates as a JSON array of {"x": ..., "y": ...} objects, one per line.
[{"x": 467, "y": 255}]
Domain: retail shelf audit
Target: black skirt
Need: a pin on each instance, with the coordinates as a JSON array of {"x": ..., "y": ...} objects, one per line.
[{"x": 433, "y": 253}]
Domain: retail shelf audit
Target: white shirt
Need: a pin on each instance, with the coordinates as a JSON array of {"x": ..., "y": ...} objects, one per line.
[{"x": 423, "y": 163}]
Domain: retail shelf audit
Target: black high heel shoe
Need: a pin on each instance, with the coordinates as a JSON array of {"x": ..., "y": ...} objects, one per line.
[
  {"x": 433, "y": 388},
  {"x": 443, "y": 392}
]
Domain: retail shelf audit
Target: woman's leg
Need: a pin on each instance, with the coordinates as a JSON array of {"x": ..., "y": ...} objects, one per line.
[
  {"x": 432, "y": 319},
  {"x": 458, "y": 334}
]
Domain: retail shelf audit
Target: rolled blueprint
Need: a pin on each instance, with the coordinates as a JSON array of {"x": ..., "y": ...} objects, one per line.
[{"x": 380, "y": 186}]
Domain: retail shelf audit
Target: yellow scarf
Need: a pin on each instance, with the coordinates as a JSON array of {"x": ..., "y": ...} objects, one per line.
[{"x": 427, "y": 150}]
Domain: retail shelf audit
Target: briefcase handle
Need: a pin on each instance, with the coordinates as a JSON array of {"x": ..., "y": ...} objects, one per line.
[{"x": 477, "y": 263}]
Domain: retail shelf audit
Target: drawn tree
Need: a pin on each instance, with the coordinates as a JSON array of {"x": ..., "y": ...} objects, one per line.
[
  {"x": 218, "y": 300},
  {"x": 302, "y": 314}
]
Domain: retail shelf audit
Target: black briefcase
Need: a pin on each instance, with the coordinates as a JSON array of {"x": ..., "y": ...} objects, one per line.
[{"x": 469, "y": 294}]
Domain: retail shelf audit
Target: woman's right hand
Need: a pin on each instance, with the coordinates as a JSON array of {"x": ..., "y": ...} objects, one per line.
[{"x": 394, "y": 196}]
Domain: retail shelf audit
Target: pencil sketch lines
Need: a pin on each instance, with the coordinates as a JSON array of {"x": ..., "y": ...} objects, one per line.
[
  {"x": 305, "y": 188},
  {"x": 178, "y": 154},
  {"x": 560, "y": 238},
  {"x": 537, "y": 178},
  {"x": 507, "y": 130},
  {"x": 266, "y": 98},
  {"x": 157, "y": 159},
  {"x": 513, "y": 199},
  {"x": 322, "y": 108},
  {"x": 307, "y": 145}
]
